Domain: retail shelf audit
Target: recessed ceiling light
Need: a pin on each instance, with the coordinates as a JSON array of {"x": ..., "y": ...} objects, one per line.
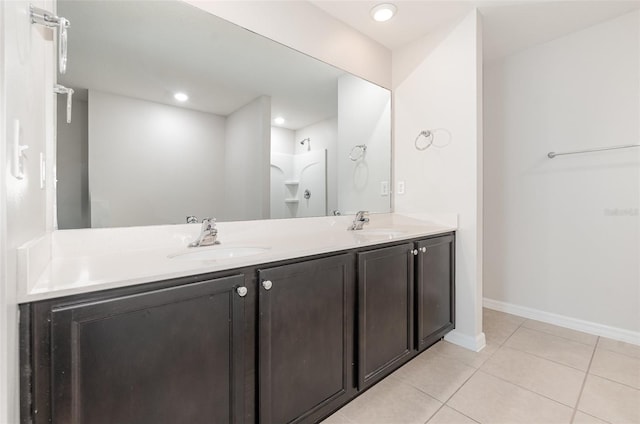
[
  {"x": 383, "y": 12},
  {"x": 279, "y": 120},
  {"x": 181, "y": 97}
]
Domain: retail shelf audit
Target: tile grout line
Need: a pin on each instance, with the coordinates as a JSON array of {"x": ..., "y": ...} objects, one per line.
[
  {"x": 620, "y": 353},
  {"x": 408, "y": 383},
  {"x": 470, "y": 377},
  {"x": 449, "y": 398},
  {"x": 562, "y": 337},
  {"x": 528, "y": 353},
  {"x": 584, "y": 382},
  {"x": 443, "y": 404},
  {"x": 501, "y": 345},
  {"x": 461, "y": 413},
  {"x": 583, "y": 343},
  {"x": 510, "y": 335},
  {"x": 593, "y": 416},
  {"x": 607, "y": 378},
  {"x": 526, "y": 388},
  {"x": 615, "y": 381},
  {"x": 549, "y": 359},
  {"x": 586, "y": 372}
]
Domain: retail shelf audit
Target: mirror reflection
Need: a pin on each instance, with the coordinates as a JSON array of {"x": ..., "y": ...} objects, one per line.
[{"x": 178, "y": 113}]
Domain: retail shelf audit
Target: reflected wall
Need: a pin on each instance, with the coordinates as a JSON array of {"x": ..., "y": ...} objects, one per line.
[{"x": 153, "y": 160}]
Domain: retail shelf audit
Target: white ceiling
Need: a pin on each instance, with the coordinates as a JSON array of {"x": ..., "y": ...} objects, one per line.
[
  {"x": 151, "y": 49},
  {"x": 508, "y": 26}
]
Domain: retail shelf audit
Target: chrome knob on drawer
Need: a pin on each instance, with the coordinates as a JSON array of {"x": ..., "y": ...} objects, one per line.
[
  {"x": 242, "y": 291},
  {"x": 414, "y": 252},
  {"x": 423, "y": 249},
  {"x": 267, "y": 284}
]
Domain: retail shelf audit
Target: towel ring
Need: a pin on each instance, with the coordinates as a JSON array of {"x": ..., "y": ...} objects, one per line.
[
  {"x": 428, "y": 135},
  {"x": 360, "y": 149}
]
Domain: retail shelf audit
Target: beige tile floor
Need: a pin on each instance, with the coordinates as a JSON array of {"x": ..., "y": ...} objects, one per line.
[{"x": 530, "y": 372}]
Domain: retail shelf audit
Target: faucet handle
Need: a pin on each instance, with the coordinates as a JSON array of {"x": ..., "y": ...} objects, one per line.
[
  {"x": 209, "y": 224},
  {"x": 192, "y": 219},
  {"x": 362, "y": 216},
  {"x": 208, "y": 234}
]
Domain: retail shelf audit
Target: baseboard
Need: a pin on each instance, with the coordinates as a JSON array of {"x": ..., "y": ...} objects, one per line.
[
  {"x": 590, "y": 327},
  {"x": 475, "y": 344}
]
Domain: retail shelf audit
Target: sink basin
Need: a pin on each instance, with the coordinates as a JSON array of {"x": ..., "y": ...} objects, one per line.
[
  {"x": 219, "y": 253},
  {"x": 380, "y": 232}
]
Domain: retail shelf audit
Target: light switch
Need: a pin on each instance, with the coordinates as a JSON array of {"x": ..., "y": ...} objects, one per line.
[{"x": 400, "y": 187}]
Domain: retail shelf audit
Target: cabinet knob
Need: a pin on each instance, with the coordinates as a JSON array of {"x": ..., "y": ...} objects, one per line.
[
  {"x": 242, "y": 291},
  {"x": 267, "y": 284},
  {"x": 414, "y": 252},
  {"x": 423, "y": 249}
]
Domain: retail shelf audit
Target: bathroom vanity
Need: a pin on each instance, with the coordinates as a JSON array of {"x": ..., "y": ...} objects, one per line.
[{"x": 287, "y": 333}]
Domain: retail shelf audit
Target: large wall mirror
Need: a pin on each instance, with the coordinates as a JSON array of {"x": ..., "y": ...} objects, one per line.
[{"x": 179, "y": 113}]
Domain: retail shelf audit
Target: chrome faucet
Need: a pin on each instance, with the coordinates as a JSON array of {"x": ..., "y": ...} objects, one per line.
[
  {"x": 208, "y": 234},
  {"x": 362, "y": 217}
]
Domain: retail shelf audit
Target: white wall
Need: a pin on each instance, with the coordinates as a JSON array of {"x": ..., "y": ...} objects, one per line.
[
  {"x": 443, "y": 91},
  {"x": 310, "y": 168},
  {"x": 281, "y": 171},
  {"x": 304, "y": 27},
  {"x": 291, "y": 176},
  {"x": 324, "y": 136},
  {"x": 6, "y": 383},
  {"x": 282, "y": 150},
  {"x": 247, "y": 162},
  {"x": 151, "y": 163},
  {"x": 562, "y": 236},
  {"x": 297, "y": 24},
  {"x": 26, "y": 95},
  {"x": 72, "y": 165},
  {"x": 364, "y": 117},
  {"x": 282, "y": 140}
]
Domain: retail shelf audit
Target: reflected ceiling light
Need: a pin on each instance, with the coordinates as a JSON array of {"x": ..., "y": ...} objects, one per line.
[
  {"x": 279, "y": 120},
  {"x": 383, "y": 12},
  {"x": 181, "y": 97}
]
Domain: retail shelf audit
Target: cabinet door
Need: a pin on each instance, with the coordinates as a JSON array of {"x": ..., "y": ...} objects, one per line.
[
  {"x": 386, "y": 311},
  {"x": 306, "y": 338},
  {"x": 435, "y": 289},
  {"x": 166, "y": 356}
]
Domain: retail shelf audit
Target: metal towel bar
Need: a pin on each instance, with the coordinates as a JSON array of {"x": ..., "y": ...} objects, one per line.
[{"x": 552, "y": 155}]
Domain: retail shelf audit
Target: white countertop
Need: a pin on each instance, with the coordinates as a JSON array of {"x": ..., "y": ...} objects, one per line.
[{"x": 82, "y": 261}]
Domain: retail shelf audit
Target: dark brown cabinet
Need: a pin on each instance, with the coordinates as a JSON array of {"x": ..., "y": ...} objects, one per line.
[
  {"x": 435, "y": 289},
  {"x": 385, "y": 311},
  {"x": 290, "y": 342},
  {"x": 167, "y": 356},
  {"x": 406, "y": 296},
  {"x": 306, "y": 330}
]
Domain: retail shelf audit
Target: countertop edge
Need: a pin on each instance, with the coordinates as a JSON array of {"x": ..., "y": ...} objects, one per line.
[{"x": 49, "y": 284}]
